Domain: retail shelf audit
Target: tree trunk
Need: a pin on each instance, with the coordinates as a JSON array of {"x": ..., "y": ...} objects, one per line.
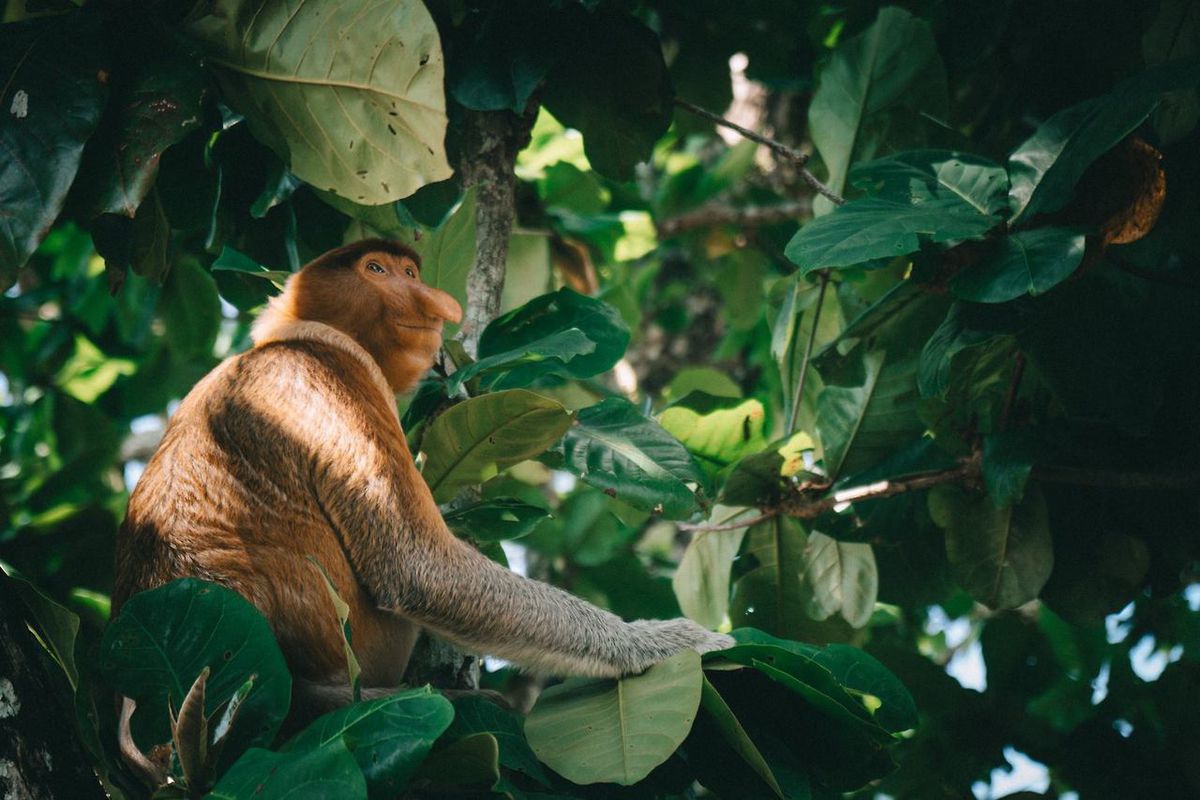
[
  {"x": 490, "y": 143},
  {"x": 40, "y": 755}
]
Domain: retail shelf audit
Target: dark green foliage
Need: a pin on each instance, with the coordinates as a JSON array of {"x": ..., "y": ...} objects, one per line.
[{"x": 998, "y": 407}]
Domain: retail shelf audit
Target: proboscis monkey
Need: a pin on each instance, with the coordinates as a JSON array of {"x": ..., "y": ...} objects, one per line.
[{"x": 293, "y": 449}]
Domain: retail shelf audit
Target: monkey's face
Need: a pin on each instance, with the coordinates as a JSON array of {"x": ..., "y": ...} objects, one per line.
[{"x": 404, "y": 328}]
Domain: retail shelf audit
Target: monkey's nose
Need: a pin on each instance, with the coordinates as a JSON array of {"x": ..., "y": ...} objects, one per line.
[{"x": 441, "y": 305}]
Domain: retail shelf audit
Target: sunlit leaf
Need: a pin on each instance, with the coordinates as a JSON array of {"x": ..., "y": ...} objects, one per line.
[{"x": 361, "y": 114}]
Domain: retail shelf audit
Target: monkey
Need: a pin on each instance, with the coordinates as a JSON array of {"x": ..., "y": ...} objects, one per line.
[{"x": 292, "y": 451}]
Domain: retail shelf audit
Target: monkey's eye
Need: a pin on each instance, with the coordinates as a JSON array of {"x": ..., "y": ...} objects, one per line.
[
  {"x": 373, "y": 266},
  {"x": 409, "y": 272}
]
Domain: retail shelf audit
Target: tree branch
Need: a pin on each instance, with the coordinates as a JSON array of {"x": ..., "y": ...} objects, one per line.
[
  {"x": 805, "y": 505},
  {"x": 779, "y": 148},
  {"x": 721, "y": 214},
  {"x": 491, "y": 141}
]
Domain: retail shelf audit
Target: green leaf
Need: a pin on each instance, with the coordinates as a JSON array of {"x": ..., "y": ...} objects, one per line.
[
  {"x": 606, "y": 731},
  {"x": 867, "y": 408},
  {"x": 717, "y": 430},
  {"x": 472, "y": 440},
  {"x": 342, "y": 608},
  {"x": 614, "y": 447},
  {"x": 231, "y": 260},
  {"x": 976, "y": 182},
  {"x": 549, "y": 355},
  {"x": 191, "y": 310},
  {"x": 546, "y": 316},
  {"x": 763, "y": 479},
  {"x": 474, "y": 714},
  {"x": 839, "y": 578},
  {"x": 388, "y": 737},
  {"x": 1008, "y": 459},
  {"x": 57, "y": 628},
  {"x": 498, "y": 55},
  {"x": 1001, "y": 556},
  {"x": 361, "y": 114},
  {"x": 163, "y": 638},
  {"x": 883, "y": 227},
  {"x": 735, "y": 735},
  {"x": 1045, "y": 167},
  {"x": 791, "y": 704},
  {"x": 263, "y": 775},
  {"x": 862, "y": 674},
  {"x": 769, "y": 595},
  {"x": 150, "y": 243},
  {"x": 873, "y": 86},
  {"x": 701, "y": 582},
  {"x": 52, "y": 91},
  {"x": 495, "y": 520},
  {"x": 613, "y": 87},
  {"x": 472, "y": 762},
  {"x": 157, "y": 90},
  {"x": 1027, "y": 262}
]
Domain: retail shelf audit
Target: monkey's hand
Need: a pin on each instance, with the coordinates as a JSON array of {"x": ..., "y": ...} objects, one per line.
[{"x": 656, "y": 640}]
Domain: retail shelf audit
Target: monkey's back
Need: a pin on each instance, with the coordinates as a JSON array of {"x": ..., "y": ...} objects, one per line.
[{"x": 229, "y": 497}]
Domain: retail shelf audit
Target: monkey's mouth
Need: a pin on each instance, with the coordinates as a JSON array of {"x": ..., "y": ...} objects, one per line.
[{"x": 432, "y": 328}]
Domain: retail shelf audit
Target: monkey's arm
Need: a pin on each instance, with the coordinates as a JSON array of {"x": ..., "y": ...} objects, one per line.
[{"x": 410, "y": 562}]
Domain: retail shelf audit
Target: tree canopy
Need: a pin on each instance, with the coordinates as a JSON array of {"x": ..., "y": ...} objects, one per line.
[{"x": 869, "y": 332}]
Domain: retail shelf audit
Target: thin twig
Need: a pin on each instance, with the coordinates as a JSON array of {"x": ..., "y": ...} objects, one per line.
[
  {"x": 823, "y": 276},
  {"x": 779, "y": 148},
  {"x": 729, "y": 526}
]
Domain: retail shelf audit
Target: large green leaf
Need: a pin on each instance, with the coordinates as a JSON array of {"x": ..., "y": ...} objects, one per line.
[
  {"x": 550, "y": 314},
  {"x": 472, "y": 440},
  {"x": 974, "y": 180},
  {"x": 469, "y": 766},
  {"x": 867, "y": 408},
  {"x": 721, "y": 718},
  {"x": 328, "y": 771},
  {"x": 1046, "y": 166},
  {"x": 57, "y": 628},
  {"x": 1027, "y": 262},
  {"x": 789, "y": 703},
  {"x": 1002, "y": 556},
  {"x": 769, "y": 594},
  {"x": 616, "y": 448},
  {"x": 474, "y": 714},
  {"x": 157, "y": 89},
  {"x": 839, "y": 578},
  {"x": 873, "y": 87},
  {"x": 165, "y": 637},
  {"x": 606, "y": 731},
  {"x": 52, "y": 91},
  {"x": 349, "y": 95},
  {"x": 499, "y": 54},
  {"x": 717, "y": 430},
  {"x": 191, "y": 309},
  {"x": 549, "y": 355},
  {"x": 389, "y": 737},
  {"x": 884, "y": 227},
  {"x": 612, "y": 87},
  {"x": 857, "y": 671},
  {"x": 701, "y": 582}
]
